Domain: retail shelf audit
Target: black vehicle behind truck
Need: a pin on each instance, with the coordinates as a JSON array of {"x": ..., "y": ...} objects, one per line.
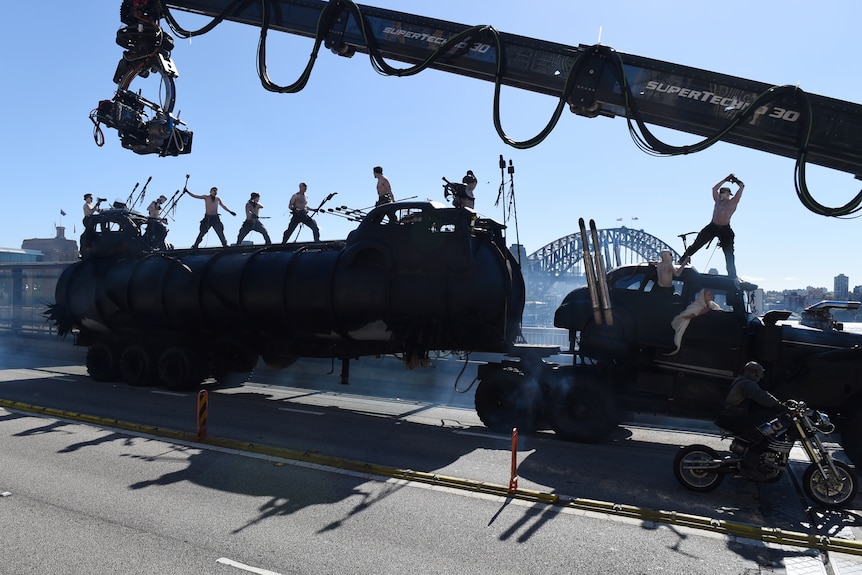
[{"x": 626, "y": 365}]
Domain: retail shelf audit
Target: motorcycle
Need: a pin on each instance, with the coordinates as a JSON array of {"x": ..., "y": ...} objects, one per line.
[{"x": 828, "y": 482}]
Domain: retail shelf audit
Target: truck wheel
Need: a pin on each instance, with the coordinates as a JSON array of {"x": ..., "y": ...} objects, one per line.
[
  {"x": 506, "y": 400},
  {"x": 690, "y": 467},
  {"x": 232, "y": 355},
  {"x": 834, "y": 493},
  {"x": 582, "y": 410},
  {"x": 102, "y": 362},
  {"x": 279, "y": 361},
  {"x": 233, "y": 361},
  {"x": 180, "y": 368},
  {"x": 137, "y": 366}
]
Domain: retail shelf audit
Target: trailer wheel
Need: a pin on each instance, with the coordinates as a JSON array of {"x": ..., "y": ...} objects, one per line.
[
  {"x": 232, "y": 354},
  {"x": 180, "y": 368},
  {"x": 279, "y": 361},
  {"x": 582, "y": 409},
  {"x": 138, "y": 366},
  {"x": 506, "y": 400},
  {"x": 233, "y": 361},
  {"x": 102, "y": 362}
]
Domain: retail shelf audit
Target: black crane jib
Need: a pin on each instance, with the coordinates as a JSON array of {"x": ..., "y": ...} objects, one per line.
[{"x": 781, "y": 120}]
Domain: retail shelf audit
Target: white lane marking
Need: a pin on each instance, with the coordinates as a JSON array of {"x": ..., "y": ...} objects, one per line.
[
  {"x": 249, "y": 568},
  {"x": 15, "y": 375},
  {"x": 174, "y": 393},
  {"x": 485, "y": 435},
  {"x": 306, "y": 411}
]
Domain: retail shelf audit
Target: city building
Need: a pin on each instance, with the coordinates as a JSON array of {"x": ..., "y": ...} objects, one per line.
[
  {"x": 841, "y": 287},
  {"x": 28, "y": 277},
  {"x": 56, "y": 249}
]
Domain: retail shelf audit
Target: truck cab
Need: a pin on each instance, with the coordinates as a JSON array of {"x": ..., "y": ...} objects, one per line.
[{"x": 632, "y": 356}]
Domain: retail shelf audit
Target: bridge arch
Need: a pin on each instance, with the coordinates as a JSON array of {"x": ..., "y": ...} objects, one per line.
[{"x": 618, "y": 246}]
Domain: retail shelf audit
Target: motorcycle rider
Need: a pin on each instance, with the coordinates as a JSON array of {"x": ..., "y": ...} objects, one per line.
[{"x": 746, "y": 407}]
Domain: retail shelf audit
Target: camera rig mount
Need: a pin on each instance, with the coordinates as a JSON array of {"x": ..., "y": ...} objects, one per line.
[{"x": 144, "y": 127}]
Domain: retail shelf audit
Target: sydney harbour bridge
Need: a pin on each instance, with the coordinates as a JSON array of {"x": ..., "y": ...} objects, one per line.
[{"x": 555, "y": 269}]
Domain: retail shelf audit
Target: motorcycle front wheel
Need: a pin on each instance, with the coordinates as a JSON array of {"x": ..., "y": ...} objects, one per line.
[
  {"x": 829, "y": 492},
  {"x": 695, "y": 468}
]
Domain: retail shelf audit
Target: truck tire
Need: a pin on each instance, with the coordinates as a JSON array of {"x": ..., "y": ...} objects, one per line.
[
  {"x": 102, "y": 362},
  {"x": 506, "y": 400},
  {"x": 138, "y": 366},
  {"x": 277, "y": 361},
  {"x": 233, "y": 361},
  {"x": 582, "y": 409},
  {"x": 831, "y": 495},
  {"x": 180, "y": 368},
  {"x": 232, "y": 354}
]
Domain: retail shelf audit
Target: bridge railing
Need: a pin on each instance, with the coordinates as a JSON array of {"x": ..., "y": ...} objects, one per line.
[
  {"x": 26, "y": 289},
  {"x": 24, "y": 320}
]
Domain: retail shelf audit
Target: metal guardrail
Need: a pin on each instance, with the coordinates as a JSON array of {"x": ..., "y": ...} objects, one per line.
[
  {"x": 647, "y": 516},
  {"x": 26, "y": 320},
  {"x": 31, "y": 321},
  {"x": 26, "y": 289}
]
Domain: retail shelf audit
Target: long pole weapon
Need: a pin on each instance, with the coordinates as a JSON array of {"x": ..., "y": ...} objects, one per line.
[
  {"x": 326, "y": 199},
  {"x": 502, "y": 189},
  {"x": 129, "y": 199},
  {"x": 142, "y": 195},
  {"x": 171, "y": 206},
  {"x": 401, "y": 200},
  {"x": 350, "y": 214},
  {"x": 512, "y": 205}
]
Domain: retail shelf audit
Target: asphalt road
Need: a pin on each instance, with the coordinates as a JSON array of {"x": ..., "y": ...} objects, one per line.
[{"x": 87, "y": 498}]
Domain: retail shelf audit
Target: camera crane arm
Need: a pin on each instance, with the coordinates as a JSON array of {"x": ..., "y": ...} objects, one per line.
[
  {"x": 591, "y": 81},
  {"x": 665, "y": 94}
]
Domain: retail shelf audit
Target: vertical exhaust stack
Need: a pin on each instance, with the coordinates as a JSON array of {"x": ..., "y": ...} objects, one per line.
[
  {"x": 590, "y": 272},
  {"x": 601, "y": 276}
]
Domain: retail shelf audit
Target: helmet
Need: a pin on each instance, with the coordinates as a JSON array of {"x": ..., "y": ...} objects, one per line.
[{"x": 754, "y": 370}]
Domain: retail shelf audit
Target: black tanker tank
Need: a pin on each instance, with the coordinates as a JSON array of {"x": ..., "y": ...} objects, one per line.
[{"x": 413, "y": 277}]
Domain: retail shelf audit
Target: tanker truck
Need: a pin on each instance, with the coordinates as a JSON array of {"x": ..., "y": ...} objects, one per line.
[
  {"x": 419, "y": 276},
  {"x": 412, "y": 277}
]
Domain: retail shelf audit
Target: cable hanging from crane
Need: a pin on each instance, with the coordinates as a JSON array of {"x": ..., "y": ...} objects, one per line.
[{"x": 644, "y": 139}]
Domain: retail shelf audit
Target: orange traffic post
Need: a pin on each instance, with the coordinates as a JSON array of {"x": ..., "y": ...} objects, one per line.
[
  {"x": 513, "y": 478},
  {"x": 202, "y": 414}
]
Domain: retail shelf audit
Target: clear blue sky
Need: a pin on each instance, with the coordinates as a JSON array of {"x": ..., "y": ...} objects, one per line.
[{"x": 61, "y": 57}]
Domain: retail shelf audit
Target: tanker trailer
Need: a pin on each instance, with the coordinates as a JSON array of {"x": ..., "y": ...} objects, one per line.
[{"x": 412, "y": 277}]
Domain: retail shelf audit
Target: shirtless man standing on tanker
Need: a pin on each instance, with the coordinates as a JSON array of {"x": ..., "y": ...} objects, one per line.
[{"x": 719, "y": 227}]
